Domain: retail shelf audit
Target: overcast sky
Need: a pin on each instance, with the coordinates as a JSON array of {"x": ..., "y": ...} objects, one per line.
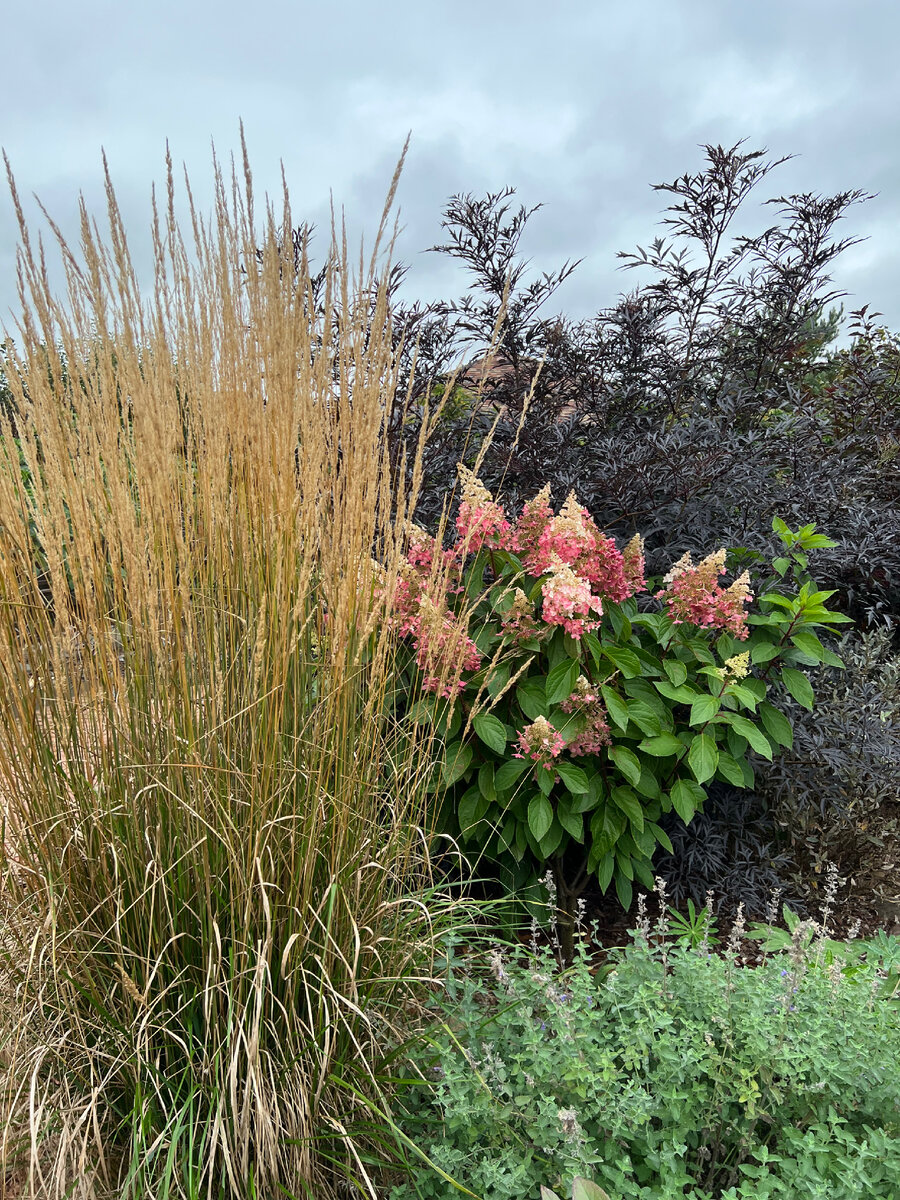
[{"x": 580, "y": 105}]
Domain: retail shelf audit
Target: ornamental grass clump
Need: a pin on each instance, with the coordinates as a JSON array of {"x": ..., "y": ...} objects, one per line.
[{"x": 215, "y": 834}]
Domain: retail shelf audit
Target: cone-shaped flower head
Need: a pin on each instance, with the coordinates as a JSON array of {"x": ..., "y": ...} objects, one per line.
[{"x": 479, "y": 519}]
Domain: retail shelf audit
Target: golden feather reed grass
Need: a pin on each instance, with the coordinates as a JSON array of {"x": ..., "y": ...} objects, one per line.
[{"x": 215, "y": 831}]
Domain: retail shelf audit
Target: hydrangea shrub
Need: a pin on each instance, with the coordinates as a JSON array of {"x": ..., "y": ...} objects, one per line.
[{"x": 578, "y": 700}]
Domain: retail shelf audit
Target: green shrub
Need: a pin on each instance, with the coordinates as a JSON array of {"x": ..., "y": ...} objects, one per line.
[
  {"x": 669, "y": 1072},
  {"x": 583, "y": 709}
]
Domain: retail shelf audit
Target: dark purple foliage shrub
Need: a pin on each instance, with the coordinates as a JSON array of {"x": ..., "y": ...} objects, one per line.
[{"x": 695, "y": 408}]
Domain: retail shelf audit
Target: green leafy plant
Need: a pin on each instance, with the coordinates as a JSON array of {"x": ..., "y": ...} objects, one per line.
[
  {"x": 881, "y": 952},
  {"x": 578, "y": 716},
  {"x": 774, "y": 939},
  {"x": 676, "y": 1072},
  {"x": 695, "y": 928},
  {"x": 582, "y": 1189}
]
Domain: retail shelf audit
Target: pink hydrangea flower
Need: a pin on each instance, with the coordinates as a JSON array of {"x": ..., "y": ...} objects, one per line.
[
  {"x": 693, "y": 595},
  {"x": 407, "y": 596},
  {"x": 443, "y": 650},
  {"x": 519, "y": 622},
  {"x": 426, "y": 567},
  {"x": 633, "y": 565},
  {"x": 480, "y": 520},
  {"x": 594, "y": 734},
  {"x": 425, "y": 555},
  {"x": 591, "y": 740},
  {"x": 421, "y": 548},
  {"x": 536, "y": 515},
  {"x": 568, "y": 601},
  {"x": 604, "y": 569},
  {"x": 541, "y": 742},
  {"x": 583, "y": 698},
  {"x": 573, "y": 538}
]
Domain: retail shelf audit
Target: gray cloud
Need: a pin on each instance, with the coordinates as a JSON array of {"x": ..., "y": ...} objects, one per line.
[{"x": 580, "y": 110}]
